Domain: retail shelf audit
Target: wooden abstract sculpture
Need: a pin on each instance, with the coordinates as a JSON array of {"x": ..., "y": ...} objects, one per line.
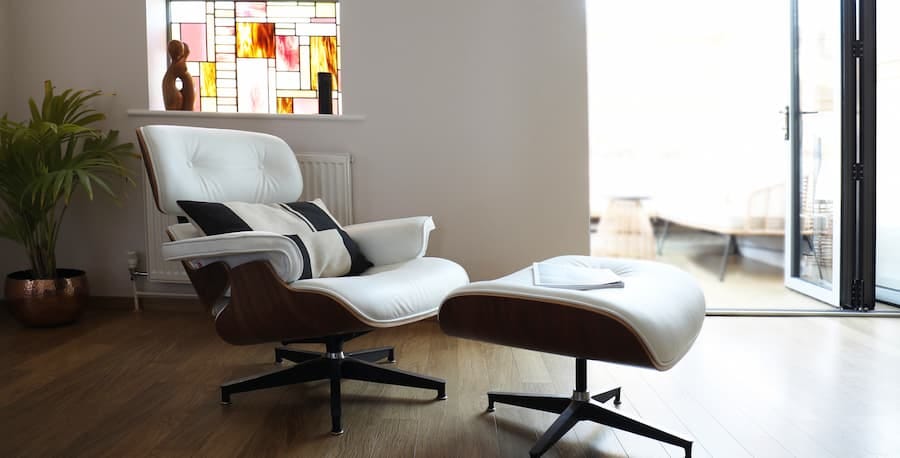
[{"x": 174, "y": 98}]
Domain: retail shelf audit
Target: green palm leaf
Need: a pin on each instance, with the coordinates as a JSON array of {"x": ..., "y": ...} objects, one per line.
[{"x": 43, "y": 163}]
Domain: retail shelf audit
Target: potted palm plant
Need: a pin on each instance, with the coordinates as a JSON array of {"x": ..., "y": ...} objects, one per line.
[{"x": 43, "y": 162}]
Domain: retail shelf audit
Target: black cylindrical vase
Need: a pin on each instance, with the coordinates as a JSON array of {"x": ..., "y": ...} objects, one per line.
[{"x": 326, "y": 106}]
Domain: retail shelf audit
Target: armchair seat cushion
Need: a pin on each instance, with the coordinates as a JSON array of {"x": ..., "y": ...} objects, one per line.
[{"x": 393, "y": 294}]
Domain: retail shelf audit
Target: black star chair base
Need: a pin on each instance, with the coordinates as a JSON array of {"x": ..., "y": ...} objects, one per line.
[{"x": 333, "y": 365}]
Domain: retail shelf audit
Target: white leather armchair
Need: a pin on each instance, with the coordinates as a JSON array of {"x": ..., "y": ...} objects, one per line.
[{"x": 248, "y": 279}]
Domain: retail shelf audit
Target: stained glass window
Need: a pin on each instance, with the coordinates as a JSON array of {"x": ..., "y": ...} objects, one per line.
[{"x": 259, "y": 56}]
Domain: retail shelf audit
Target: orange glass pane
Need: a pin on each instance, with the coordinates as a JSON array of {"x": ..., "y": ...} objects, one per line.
[
  {"x": 323, "y": 58},
  {"x": 208, "y": 79},
  {"x": 285, "y": 105},
  {"x": 255, "y": 39}
]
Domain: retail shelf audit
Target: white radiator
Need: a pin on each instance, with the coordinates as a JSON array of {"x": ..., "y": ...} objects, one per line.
[{"x": 325, "y": 176}]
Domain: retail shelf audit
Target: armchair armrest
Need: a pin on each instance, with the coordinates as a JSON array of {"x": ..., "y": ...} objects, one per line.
[
  {"x": 394, "y": 240},
  {"x": 238, "y": 248}
]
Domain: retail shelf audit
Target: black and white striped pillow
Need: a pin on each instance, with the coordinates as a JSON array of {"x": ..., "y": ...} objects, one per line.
[{"x": 326, "y": 248}]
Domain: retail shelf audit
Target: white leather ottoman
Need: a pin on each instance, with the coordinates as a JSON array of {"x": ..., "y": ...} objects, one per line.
[{"x": 651, "y": 322}]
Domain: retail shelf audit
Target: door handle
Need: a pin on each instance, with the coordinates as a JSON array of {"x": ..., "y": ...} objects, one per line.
[{"x": 787, "y": 122}]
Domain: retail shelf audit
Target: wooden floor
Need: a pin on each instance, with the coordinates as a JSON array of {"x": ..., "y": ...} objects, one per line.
[
  {"x": 748, "y": 284},
  {"x": 121, "y": 384}
]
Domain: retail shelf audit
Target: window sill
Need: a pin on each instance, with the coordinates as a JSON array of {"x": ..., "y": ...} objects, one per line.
[{"x": 209, "y": 115}]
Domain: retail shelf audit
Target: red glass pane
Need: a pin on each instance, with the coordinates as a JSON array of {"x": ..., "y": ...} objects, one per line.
[
  {"x": 288, "y": 53},
  {"x": 249, "y": 9},
  {"x": 195, "y": 36}
]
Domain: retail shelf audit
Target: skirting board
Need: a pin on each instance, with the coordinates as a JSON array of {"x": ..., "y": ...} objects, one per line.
[{"x": 162, "y": 304}]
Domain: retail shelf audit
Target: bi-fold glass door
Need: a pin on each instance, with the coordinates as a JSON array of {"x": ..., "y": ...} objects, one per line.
[
  {"x": 827, "y": 240},
  {"x": 887, "y": 273}
]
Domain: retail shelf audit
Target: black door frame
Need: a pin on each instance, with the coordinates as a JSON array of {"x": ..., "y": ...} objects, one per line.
[
  {"x": 858, "y": 92},
  {"x": 867, "y": 153}
]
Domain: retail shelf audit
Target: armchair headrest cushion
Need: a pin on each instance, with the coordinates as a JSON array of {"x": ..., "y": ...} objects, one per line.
[
  {"x": 217, "y": 165},
  {"x": 326, "y": 248}
]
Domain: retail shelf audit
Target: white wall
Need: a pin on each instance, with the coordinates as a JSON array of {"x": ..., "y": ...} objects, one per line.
[
  {"x": 5, "y": 43},
  {"x": 11, "y": 256},
  {"x": 86, "y": 44},
  {"x": 464, "y": 121}
]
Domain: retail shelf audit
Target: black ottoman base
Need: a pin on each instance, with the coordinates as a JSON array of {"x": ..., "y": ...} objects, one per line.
[{"x": 582, "y": 407}]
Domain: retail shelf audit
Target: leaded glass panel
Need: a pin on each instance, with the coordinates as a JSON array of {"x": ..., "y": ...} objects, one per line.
[{"x": 259, "y": 56}]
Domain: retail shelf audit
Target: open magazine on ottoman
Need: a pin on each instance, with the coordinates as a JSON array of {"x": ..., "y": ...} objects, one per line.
[{"x": 574, "y": 277}]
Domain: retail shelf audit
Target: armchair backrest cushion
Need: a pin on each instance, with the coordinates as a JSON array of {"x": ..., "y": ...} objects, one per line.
[{"x": 217, "y": 165}]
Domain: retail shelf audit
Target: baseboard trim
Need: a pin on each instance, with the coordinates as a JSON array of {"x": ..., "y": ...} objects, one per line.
[
  {"x": 163, "y": 304},
  {"x": 802, "y": 313}
]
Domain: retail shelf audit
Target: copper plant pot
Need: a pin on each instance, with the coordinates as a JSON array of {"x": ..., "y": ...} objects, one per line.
[{"x": 42, "y": 303}]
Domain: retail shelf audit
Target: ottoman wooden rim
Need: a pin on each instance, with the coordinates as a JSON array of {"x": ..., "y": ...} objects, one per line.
[{"x": 523, "y": 322}]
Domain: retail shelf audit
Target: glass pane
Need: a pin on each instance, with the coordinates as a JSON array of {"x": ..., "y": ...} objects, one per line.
[
  {"x": 323, "y": 30},
  {"x": 288, "y": 11},
  {"x": 208, "y": 104},
  {"x": 208, "y": 79},
  {"x": 253, "y": 94},
  {"x": 255, "y": 39},
  {"x": 197, "y": 105},
  {"x": 285, "y": 105},
  {"x": 306, "y": 106},
  {"x": 887, "y": 250},
  {"x": 187, "y": 12},
  {"x": 195, "y": 37},
  {"x": 325, "y": 9},
  {"x": 288, "y": 80},
  {"x": 288, "y": 50},
  {"x": 323, "y": 57},
  {"x": 819, "y": 65},
  {"x": 250, "y": 9}
]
